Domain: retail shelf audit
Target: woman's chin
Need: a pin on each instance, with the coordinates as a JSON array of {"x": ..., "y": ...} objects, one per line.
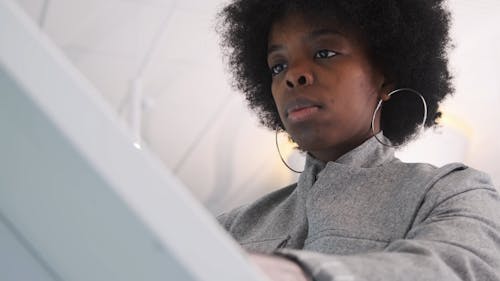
[{"x": 309, "y": 143}]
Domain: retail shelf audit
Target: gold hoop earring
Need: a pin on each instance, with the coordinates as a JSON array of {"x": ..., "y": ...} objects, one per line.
[
  {"x": 281, "y": 156},
  {"x": 379, "y": 105}
]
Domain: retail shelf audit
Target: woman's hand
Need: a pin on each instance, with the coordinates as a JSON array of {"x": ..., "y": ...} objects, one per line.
[{"x": 278, "y": 268}]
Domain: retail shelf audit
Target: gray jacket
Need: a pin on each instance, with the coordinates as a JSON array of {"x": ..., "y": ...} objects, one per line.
[{"x": 369, "y": 216}]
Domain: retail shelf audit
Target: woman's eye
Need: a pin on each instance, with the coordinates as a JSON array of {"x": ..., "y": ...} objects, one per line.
[
  {"x": 277, "y": 68},
  {"x": 324, "y": 54}
]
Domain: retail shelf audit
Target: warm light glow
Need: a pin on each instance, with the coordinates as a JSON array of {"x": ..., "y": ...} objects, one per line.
[
  {"x": 291, "y": 155},
  {"x": 287, "y": 147},
  {"x": 457, "y": 123}
]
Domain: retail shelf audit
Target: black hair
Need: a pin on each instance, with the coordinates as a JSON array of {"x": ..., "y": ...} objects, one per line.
[{"x": 407, "y": 40}]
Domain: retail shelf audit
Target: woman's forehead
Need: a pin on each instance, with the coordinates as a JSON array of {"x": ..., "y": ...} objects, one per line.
[
  {"x": 294, "y": 23},
  {"x": 311, "y": 21}
]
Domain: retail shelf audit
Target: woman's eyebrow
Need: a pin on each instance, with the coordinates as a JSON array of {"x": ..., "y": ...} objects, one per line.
[
  {"x": 312, "y": 35},
  {"x": 273, "y": 48},
  {"x": 322, "y": 32}
]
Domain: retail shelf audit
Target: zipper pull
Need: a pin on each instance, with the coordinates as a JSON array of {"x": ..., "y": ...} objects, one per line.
[{"x": 284, "y": 242}]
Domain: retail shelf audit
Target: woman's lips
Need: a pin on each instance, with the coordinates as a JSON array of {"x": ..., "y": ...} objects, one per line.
[
  {"x": 300, "y": 109},
  {"x": 301, "y": 113}
]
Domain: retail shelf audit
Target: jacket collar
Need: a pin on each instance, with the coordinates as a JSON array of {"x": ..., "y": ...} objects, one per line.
[{"x": 369, "y": 154}]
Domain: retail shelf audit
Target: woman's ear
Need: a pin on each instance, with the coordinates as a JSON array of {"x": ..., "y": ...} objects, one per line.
[
  {"x": 384, "y": 97},
  {"x": 385, "y": 89}
]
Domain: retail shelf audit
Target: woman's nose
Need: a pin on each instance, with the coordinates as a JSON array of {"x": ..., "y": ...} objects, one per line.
[{"x": 299, "y": 78}]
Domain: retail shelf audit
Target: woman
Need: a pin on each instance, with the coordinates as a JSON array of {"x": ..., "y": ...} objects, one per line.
[{"x": 349, "y": 81}]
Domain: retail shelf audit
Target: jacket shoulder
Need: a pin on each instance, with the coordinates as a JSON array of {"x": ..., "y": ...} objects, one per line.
[{"x": 455, "y": 179}]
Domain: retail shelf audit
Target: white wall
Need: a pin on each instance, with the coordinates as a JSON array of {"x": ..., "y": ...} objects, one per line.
[{"x": 201, "y": 129}]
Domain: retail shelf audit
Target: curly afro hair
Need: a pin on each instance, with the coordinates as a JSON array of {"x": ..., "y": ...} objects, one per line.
[{"x": 407, "y": 40}]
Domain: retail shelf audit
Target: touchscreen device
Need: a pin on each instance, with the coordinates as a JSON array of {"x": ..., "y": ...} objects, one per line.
[{"x": 77, "y": 200}]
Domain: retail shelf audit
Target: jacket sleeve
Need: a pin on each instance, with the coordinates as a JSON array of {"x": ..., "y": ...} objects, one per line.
[{"x": 455, "y": 236}]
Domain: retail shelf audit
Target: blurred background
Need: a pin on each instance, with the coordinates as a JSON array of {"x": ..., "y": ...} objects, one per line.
[{"x": 158, "y": 65}]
